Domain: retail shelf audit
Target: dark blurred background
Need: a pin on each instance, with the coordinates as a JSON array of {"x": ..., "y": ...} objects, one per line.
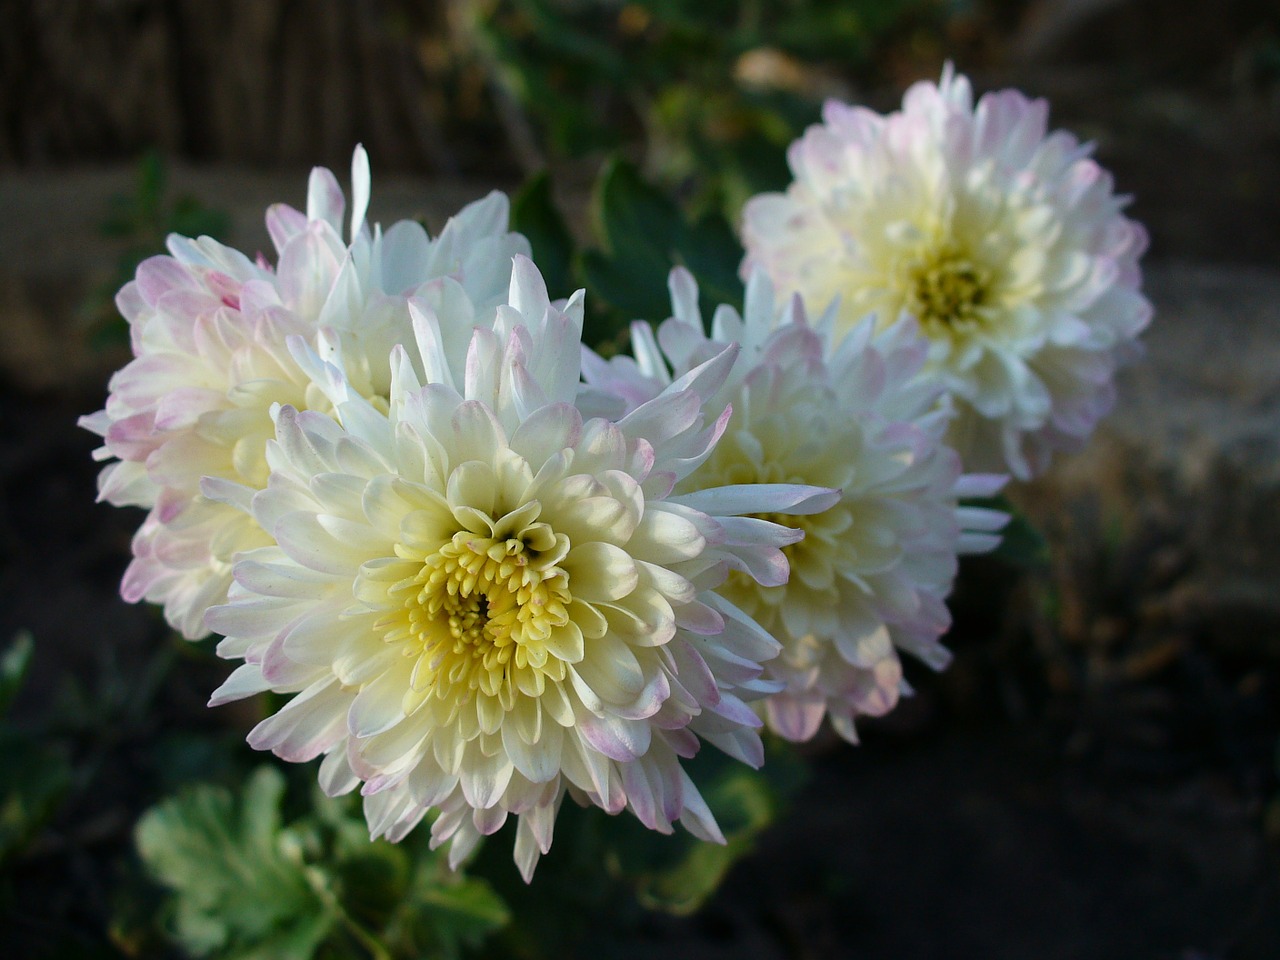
[
  {"x": 1181, "y": 98},
  {"x": 1097, "y": 774}
]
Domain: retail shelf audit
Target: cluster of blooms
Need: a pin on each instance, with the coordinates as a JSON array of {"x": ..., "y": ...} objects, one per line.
[
  {"x": 490, "y": 568},
  {"x": 210, "y": 328},
  {"x": 853, "y": 413}
]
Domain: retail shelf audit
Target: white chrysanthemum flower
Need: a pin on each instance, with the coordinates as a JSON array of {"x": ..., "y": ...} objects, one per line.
[
  {"x": 872, "y": 573},
  {"x": 482, "y": 599},
  {"x": 1005, "y": 243},
  {"x": 209, "y": 328}
]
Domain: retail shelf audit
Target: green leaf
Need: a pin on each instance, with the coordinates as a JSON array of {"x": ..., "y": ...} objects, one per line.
[
  {"x": 711, "y": 252},
  {"x": 641, "y": 231},
  {"x": 456, "y": 912},
  {"x": 244, "y": 886},
  {"x": 644, "y": 235},
  {"x": 372, "y": 879},
  {"x": 632, "y": 217},
  {"x": 14, "y": 664},
  {"x": 678, "y": 873},
  {"x": 240, "y": 889},
  {"x": 35, "y": 778},
  {"x": 1021, "y": 543},
  {"x": 604, "y": 871},
  {"x": 534, "y": 213},
  {"x": 300, "y": 938},
  {"x": 618, "y": 294}
]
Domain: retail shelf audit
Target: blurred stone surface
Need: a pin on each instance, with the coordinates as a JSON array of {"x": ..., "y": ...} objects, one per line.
[{"x": 1171, "y": 515}]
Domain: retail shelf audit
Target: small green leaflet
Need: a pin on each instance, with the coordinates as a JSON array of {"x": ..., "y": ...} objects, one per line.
[
  {"x": 239, "y": 880},
  {"x": 245, "y": 886}
]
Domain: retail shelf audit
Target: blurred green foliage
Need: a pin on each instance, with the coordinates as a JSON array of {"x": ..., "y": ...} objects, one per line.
[
  {"x": 715, "y": 89},
  {"x": 240, "y": 883},
  {"x": 1022, "y": 545},
  {"x": 640, "y": 234},
  {"x": 679, "y": 873},
  {"x": 34, "y": 774}
]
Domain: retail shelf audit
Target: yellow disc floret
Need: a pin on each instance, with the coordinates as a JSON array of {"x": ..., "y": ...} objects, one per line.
[
  {"x": 482, "y": 614},
  {"x": 946, "y": 291}
]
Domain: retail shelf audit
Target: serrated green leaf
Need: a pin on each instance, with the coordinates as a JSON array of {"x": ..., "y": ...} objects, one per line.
[
  {"x": 302, "y": 938},
  {"x": 239, "y": 891},
  {"x": 446, "y": 912},
  {"x": 644, "y": 235},
  {"x": 246, "y": 887},
  {"x": 534, "y": 213},
  {"x": 372, "y": 881}
]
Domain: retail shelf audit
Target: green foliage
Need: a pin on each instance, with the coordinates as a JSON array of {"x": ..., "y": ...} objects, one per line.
[
  {"x": 534, "y": 213},
  {"x": 34, "y": 774},
  {"x": 244, "y": 884},
  {"x": 455, "y": 915},
  {"x": 241, "y": 885},
  {"x": 14, "y": 664},
  {"x": 1022, "y": 545},
  {"x": 604, "y": 872},
  {"x": 642, "y": 234},
  {"x": 677, "y": 874},
  {"x": 142, "y": 221},
  {"x": 36, "y": 778},
  {"x": 641, "y": 231},
  {"x": 714, "y": 88}
]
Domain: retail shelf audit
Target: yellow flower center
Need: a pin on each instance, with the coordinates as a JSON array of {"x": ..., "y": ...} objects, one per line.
[
  {"x": 946, "y": 291},
  {"x": 479, "y": 617}
]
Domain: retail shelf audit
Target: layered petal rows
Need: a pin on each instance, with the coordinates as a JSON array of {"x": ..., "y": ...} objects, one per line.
[
  {"x": 480, "y": 599},
  {"x": 1005, "y": 242},
  {"x": 853, "y": 413},
  {"x": 209, "y": 328}
]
